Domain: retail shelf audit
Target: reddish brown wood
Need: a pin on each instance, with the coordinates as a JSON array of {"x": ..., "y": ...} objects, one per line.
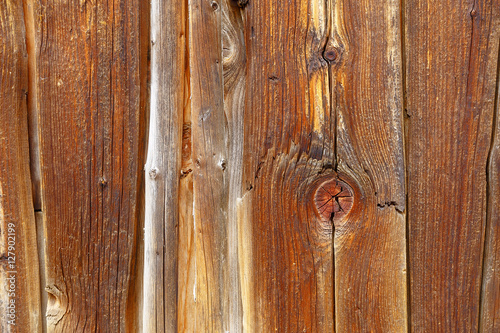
[
  {"x": 89, "y": 90},
  {"x": 333, "y": 200},
  {"x": 451, "y": 59},
  {"x": 288, "y": 151}
]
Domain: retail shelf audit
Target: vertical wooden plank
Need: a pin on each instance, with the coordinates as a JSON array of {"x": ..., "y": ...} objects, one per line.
[
  {"x": 234, "y": 78},
  {"x": 19, "y": 276},
  {"x": 451, "y": 59},
  {"x": 285, "y": 247},
  {"x": 490, "y": 292},
  {"x": 88, "y": 97},
  {"x": 163, "y": 165},
  {"x": 187, "y": 247},
  {"x": 217, "y": 50},
  {"x": 209, "y": 159},
  {"x": 370, "y": 246}
]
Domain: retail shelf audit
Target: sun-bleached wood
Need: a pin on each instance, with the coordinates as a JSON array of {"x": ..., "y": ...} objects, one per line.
[
  {"x": 163, "y": 166},
  {"x": 209, "y": 154}
]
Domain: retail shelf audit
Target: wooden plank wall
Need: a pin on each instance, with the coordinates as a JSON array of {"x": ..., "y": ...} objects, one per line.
[{"x": 251, "y": 165}]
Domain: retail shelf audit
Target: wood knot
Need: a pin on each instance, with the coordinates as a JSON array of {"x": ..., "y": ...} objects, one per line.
[
  {"x": 153, "y": 172},
  {"x": 333, "y": 200},
  {"x": 103, "y": 181},
  {"x": 242, "y": 3},
  {"x": 331, "y": 54}
]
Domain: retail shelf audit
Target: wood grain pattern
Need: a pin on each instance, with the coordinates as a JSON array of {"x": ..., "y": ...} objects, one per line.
[
  {"x": 489, "y": 320},
  {"x": 217, "y": 76},
  {"x": 186, "y": 321},
  {"x": 88, "y": 99},
  {"x": 164, "y": 165},
  {"x": 288, "y": 151},
  {"x": 210, "y": 183},
  {"x": 370, "y": 246},
  {"x": 450, "y": 87},
  {"x": 301, "y": 156},
  {"x": 234, "y": 77},
  {"x": 20, "y": 303}
]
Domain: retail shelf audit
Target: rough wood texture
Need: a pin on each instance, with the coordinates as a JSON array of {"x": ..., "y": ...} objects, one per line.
[
  {"x": 286, "y": 260},
  {"x": 33, "y": 130},
  {"x": 19, "y": 275},
  {"x": 164, "y": 165},
  {"x": 370, "y": 247},
  {"x": 210, "y": 183},
  {"x": 234, "y": 74},
  {"x": 186, "y": 322},
  {"x": 218, "y": 91},
  {"x": 88, "y": 97},
  {"x": 451, "y": 58},
  {"x": 490, "y": 297}
]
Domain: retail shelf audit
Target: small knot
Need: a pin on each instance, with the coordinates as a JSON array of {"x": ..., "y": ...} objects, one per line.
[
  {"x": 214, "y": 5},
  {"x": 242, "y": 3},
  {"x": 331, "y": 54},
  {"x": 103, "y": 181},
  {"x": 223, "y": 164},
  {"x": 153, "y": 172}
]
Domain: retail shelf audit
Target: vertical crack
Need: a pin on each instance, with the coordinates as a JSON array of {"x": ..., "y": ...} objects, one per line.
[
  {"x": 33, "y": 129},
  {"x": 34, "y": 151},
  {"x": 405, "y": 126},
  {"x": 333, "y": 118}
]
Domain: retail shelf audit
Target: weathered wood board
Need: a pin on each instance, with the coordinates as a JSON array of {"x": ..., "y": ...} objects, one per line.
[
  {"x": 164, "y": 157},
  {"x": 88, "y": 66},
  {"x": 451, "y": 68},
  {"x": 370, "y": 243},
  {"x": 20, "y": 301}
]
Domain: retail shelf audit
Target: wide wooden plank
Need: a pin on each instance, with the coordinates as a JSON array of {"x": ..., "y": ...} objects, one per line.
[
  {"x": 451, "y": 51},
  {"x": 370, "y": 246},
  {"x": 20, "y": 298},
  {"x": 168, "y": 35},
  {"x": 88, "y": 99},
  {"x": 285, "y": 248}
]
